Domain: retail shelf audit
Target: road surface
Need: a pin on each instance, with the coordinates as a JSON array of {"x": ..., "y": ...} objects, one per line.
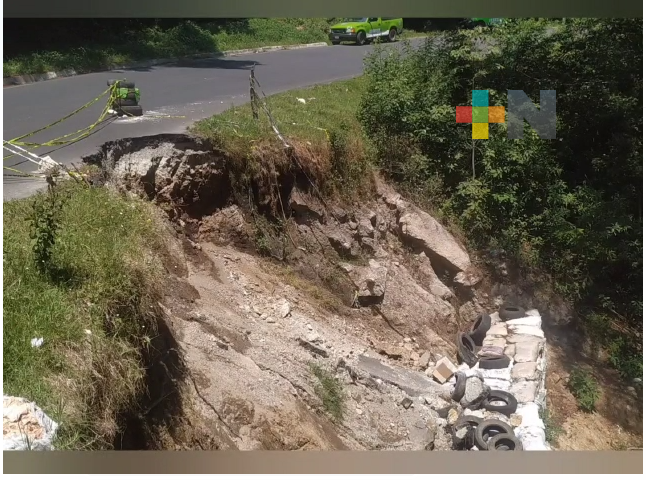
[{"x": 190, "y": 89}]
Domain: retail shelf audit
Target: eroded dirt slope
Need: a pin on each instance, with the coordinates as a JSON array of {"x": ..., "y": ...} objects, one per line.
[{"x": 340, "y": 284}]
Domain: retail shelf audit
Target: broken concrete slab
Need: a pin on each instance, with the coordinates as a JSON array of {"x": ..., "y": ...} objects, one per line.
[{"x": 413, "y": 383}]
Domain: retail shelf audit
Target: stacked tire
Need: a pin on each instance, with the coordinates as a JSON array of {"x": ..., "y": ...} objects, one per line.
[
  {"x": 472, "y": 432},
  {"x": 126, "y": 100}
]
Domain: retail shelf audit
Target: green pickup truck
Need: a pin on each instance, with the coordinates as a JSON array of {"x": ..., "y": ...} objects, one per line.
[{"x": 362, "y": 30}]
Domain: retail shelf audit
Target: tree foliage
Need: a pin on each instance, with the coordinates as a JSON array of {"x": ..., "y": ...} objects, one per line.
[{"x": 572, "y": 206}]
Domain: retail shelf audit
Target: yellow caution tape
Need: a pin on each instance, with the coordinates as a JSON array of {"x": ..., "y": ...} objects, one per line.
[{"x": 73, "y": 137}]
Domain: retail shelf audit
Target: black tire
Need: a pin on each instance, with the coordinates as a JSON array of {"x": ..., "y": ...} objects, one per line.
[
  {"x": 122, "y": 83},
  {"x": 469, "y": 421},
  {"x": 510, "y": 402},
  {"x": 510, "y": 312},
  {"x": 480, "y": 328},
  {"x": 392, "y": 34},
  {"x": 488, "y": 429},
  {"x": 460, "y": 386},
  {"x": 132, "y": 111},
  {"x": 466, "y": 349},
  {"x": 504, "y": 442},
  {"x": 336, "y": 43},
  {"x": 494, "y": 363},
  {"x": 126, "y": 103},
  {"x": 361, "y": 38}
]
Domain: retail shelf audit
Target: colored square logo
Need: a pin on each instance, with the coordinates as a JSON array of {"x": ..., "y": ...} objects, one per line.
[
  {"x": 496, "y": 114},
  {"x": 480, "y": 115},
  {"x": 480, "y": 98},
  {"x": 463, "y": 114},
  {"x": 479, "y": 131}
]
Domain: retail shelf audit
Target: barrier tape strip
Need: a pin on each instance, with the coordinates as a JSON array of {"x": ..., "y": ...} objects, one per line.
[{"x": 15, "y": 145}]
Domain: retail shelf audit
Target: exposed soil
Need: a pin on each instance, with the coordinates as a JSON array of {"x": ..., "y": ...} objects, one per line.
[{"x": 336, "y": 281}]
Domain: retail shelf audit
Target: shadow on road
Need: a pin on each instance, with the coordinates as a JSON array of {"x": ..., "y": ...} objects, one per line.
[{"x": 214, "y": 63}]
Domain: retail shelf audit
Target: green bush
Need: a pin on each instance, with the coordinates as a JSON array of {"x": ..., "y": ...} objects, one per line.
[
  {"x": 330, "y": 391},
  {"x": 584, "y": 388},
  {"x": 569, "y": 207}
]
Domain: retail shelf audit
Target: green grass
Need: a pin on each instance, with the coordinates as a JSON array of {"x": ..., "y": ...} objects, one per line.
[
  {"x": 552, "y": 428},
  {"x": 327, "y": 107},
  {"x": 102, "y": 278},
  {"x": 324, "y": 132},
  {"x": 186, "y": 38},
  {"x": 330, "y": 391}
]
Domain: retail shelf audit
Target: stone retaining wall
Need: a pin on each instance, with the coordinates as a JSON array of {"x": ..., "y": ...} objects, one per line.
[{"x": 523, "y": 341}]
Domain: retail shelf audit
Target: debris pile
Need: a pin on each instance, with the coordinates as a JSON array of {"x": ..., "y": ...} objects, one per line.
[{"x": 500, "y": 384}]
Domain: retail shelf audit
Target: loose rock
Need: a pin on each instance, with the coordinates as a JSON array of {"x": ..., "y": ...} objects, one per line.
[
  {"x": 475, "y": 392},
  {"x": 424, "y": 359},
  {"x": 406, "y": 403},
  {"x": 452, "y": 416}
]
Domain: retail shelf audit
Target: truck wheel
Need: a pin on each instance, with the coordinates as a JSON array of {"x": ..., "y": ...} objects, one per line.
[
  {"x": 361, "y": 38},
  {"x": 392, "y": 34}
]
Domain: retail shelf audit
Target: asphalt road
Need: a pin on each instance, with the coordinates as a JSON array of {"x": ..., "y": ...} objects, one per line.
[{"x": 189, "y": 89}]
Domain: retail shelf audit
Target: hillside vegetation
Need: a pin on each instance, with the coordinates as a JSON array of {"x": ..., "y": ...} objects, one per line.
[{"x": 568, "y": 209}]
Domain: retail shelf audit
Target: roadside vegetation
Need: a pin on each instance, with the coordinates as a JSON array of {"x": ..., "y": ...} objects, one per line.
[
  {"x": 87, "y": 45},
  {"x": 80, "y": 272}
]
